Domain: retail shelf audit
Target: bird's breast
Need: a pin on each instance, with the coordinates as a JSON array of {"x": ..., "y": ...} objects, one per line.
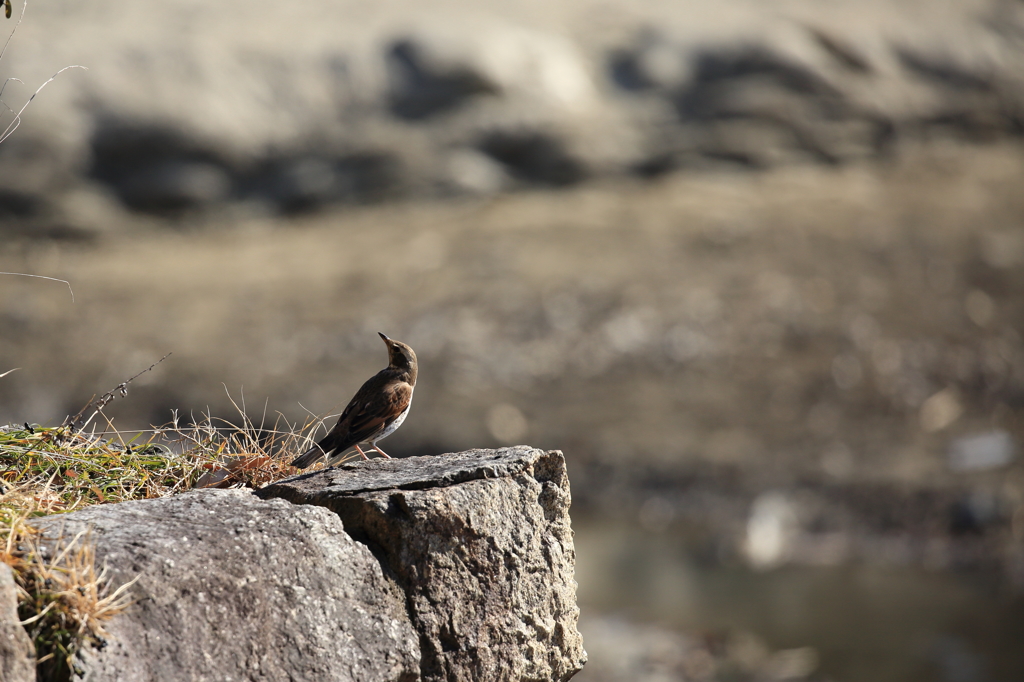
[{"x": 393, "y": 426}]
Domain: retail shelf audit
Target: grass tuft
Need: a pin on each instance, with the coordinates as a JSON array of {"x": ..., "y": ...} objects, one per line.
[{"x": 64, "y": 601}]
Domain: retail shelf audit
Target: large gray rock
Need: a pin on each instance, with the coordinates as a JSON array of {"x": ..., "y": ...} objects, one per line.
[
  {"x": 481, "y": 543},
  {"x": 17, "y": 656},
  {"x": 235, "y": 588},
  {"x": 455, "y": 567}
]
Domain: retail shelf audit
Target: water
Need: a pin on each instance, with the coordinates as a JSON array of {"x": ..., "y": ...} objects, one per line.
[{"x": 867, "y": 623}]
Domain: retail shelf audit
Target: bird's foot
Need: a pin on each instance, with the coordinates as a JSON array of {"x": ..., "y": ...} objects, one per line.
[
  {"x": 360, "y": 451},
  {"x": 386, "y": 455}
]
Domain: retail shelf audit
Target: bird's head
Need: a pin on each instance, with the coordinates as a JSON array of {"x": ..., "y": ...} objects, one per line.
[{"x": 400, "y": 356}]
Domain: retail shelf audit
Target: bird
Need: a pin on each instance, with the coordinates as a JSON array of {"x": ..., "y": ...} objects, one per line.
[{"x": 375, "y": 412}]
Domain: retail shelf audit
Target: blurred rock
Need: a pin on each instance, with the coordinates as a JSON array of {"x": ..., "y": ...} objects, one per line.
[
  {"x": 974, "y": 513},
  {"x": 771, "y": 530},
  {"x": 158, "y": 168},
  {"x": 35, "y": 161},
  {"x": 814, "y": 86},
  {"x": 301, "y": 183},
  {"x": 175, "y": 185},
  {"x": 750, "y": 101},
  {"x": 984, "y": 451},
  {"x": 792, "y": 664},
  {"x": 307, "y": 182},
  {"x": 15, "y": 204},
  {"x": 1002, "y": 248},
  {"x": 653, "y": 61},
  {"x": 980, "y": 307},
  {"x": 474, "y": 172},
  {"x": 622, "y": 651},
  {"x": 424, "y": 82},
  {"x": 35, "y": 164},
  {"x": 437, "y": 69},
  {"x": 535, "y": 157},
  {"x": 940, "y": 410},
  {"x": 627, "y": 651},
  {"x": 759, "y": 85},
  {"x": 91, "y": 207}
]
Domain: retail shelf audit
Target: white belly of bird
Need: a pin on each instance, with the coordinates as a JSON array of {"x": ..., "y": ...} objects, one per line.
[{"x": 394, "y": 425}]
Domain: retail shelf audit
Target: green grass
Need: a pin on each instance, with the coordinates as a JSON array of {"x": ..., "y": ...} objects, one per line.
[{"x": 68, "y": 471}]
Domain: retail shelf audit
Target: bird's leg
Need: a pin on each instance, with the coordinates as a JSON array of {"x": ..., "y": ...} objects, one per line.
[
  {"x": 374, "y": 446},
  {"x": 360, "y": 451}
]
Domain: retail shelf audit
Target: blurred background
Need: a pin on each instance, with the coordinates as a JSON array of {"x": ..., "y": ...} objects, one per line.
[{"x": 757, "y": 268}]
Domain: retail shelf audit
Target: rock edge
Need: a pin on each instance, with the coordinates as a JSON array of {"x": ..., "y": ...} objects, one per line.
[{"x": 480, "y": 542}]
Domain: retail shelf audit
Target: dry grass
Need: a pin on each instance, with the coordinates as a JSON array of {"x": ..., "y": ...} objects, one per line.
[{"x": 63, "y": 599}]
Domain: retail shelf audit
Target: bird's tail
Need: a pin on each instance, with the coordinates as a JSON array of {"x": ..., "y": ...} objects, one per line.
[{"x": 308, "y": 457}]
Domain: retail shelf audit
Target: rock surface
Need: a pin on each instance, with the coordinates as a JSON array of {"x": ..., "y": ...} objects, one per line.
[
  {"x": 17, "y": 656},
  {"x": 235, "y": 588},
  {"x": 455, "y": 567},
  {"x": 481, "y": 543}
]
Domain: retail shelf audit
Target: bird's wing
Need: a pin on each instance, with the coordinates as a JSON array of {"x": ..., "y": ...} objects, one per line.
[{"x": 368, "y": 415}]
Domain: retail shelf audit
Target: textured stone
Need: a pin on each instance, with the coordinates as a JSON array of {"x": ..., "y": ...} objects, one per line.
[
  {"x": 232, "y": 587},
  {"x": 481, "y": 543},
  {"x": 17, "y": 656}
]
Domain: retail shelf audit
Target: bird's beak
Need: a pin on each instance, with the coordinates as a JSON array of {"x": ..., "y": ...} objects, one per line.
[{"x": 386, "y": 339}]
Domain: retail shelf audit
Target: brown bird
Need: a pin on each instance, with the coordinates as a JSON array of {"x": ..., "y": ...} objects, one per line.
[{"x": 378, "y": 408}]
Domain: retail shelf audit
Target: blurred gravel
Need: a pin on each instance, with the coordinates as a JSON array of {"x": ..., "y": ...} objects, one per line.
[
  {"x": 622, "y": 651},
  {"x": 850, "y": 339}
]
